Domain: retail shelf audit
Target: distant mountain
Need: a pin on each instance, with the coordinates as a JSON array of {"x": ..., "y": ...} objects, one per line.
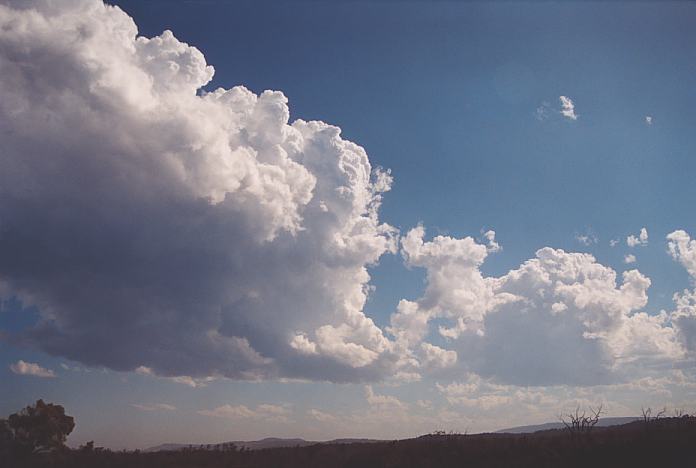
[
  {"x": 269, "y": 442},
  {"x": 604, "y": 422}
]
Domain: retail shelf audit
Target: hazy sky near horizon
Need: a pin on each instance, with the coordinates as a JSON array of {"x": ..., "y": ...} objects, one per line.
[{"x": 445, "y": 215}]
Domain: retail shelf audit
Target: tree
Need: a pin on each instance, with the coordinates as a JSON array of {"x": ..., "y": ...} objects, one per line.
[
  {"x": 579, "y": 423},
  {"x": 42, "y": 426}
]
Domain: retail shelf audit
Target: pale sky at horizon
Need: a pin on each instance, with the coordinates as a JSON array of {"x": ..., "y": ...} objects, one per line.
[{"x": 502, "y": 230}]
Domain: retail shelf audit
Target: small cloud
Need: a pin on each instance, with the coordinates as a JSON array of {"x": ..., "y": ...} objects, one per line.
[
  {"x": 492, "y": 245},
  {"x": 648, "y": 120},
  {"x": 65, "y": 366},
  {"x": 641, "y": 239},
  {"x": 614, "y": 242},
  {"x": 154, "y": 407},
  {"x": 586, "y": 239},
  {"x": 265, "y": 412},
  {"x": 630, "y": 258},
  {"x": 182, "y": 379},
  {"x": 30, "y": 368},
  {"x": 543, "y": 111},
  {"x": 425, "y": 404},
  {"x": 568, "y": 108},
  {"x": 320, "y": 416},
  {"x": 382, "y": 401}
]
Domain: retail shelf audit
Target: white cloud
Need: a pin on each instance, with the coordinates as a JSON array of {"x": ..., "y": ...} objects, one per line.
[
  {"x": 568, "y": 108},
  {"x": 493, "y": 246},
  {"x": 630, "y": 258},
  {"x": 182, "y": 379},
  {"x": 205, "y": 229},
  {"x": 266, "y": 412},
  {"x": 154, "y": 407},
  {"x": 383, "y": 401},
  {"x": 559, "y": 318},
  {"x": 613, "y": 242},
  {"x": 648, "y": 120},
  {"x": 436, "y": 357},
  {"x": 30, "y": 368},
  {"x": 683, "y": 249},
  {"x": 586, "y": 239},
  {"x": 320, "y": 416},
  {"x": 641, "y": 239}
]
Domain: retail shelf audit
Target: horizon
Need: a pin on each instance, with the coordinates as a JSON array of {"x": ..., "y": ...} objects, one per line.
[{"x": 237, "y": 220}]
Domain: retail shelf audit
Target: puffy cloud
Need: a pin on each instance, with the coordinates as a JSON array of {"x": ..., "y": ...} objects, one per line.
[
  {"x": 30, "y": 368},
  {"x": 383, "y": 402},
  {"x": 630, "y": 258},
  {"x": 641, "y": 239},
  {"x": 684, "y": 319},
  {"x": 161, "y": 226},
  {"x": 683, "y": 249},
  {"x": 560, "y": 318},
  {"x": 648, "y": 120},
  {"x": 568, "y": 108},
  {"x": 154, "y": 407},
  {"x": 613, "y": 242},
  {"x": 492, "y": 244},
  {"x": 434, "y": 356}
]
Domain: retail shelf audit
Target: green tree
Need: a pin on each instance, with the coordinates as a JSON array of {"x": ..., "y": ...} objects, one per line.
[{"x": 42, "y": 426}]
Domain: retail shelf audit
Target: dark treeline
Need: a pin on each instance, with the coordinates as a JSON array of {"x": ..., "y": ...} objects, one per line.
[{"x": 655, "y": 442}]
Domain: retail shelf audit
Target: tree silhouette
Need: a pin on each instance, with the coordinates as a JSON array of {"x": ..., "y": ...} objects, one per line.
[{"x": 42, "y": 426}]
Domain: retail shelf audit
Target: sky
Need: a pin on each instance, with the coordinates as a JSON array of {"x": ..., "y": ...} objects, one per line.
[{"x": 229, "y": 220}]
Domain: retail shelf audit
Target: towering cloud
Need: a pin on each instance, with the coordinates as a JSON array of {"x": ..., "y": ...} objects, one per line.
[
  {"x": 185, "y": 233},
  {"x": 155, "y": 224},
  {"x": 560, "y": 318},
  {"x": 641, "y": 239},
  {"x": 683, "y": 249}
]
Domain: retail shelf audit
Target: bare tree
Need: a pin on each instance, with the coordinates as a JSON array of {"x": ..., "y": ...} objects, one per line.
[
  {"x": 579, "y": 423},
  {"x": 648, "y": 414}
]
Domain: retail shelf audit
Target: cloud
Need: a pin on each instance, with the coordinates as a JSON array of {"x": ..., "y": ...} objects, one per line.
[
  {"x": 630, "y": 258},
  {"x": 154, "y": 407},
  {"x": 493, "y": 246},
  {"x": 30, "y": 368},
  {"x": 641, "y": 239},
  {"x": 204, "y": 229},
  {"x": 266, "y": 412},
  {"x": 586, "y": 239},
  {"x": 613, "y": 242},
  {"x": 320, "y": 416},
  {"x": 181, "y": 379},
  {"x": 568, "y": 108},
  {"x": 683, "y": 249},
  {"x": 543, "y": 111},
  {"x": 383, "y": 402},
  {"x": 560, "y": 318},
  {"x": 648, "y": 120}
]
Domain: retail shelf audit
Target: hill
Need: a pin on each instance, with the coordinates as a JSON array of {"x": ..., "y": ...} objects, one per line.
[
  {"x": 603, "y": 422},
  {"x": 665, "y": 443},
  {"x": 267, "y": 443}
]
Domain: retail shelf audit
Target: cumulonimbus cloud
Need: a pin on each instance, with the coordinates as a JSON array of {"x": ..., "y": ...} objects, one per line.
[
  {"x": 184, "y": 233},
  {"x": 160, "y": 226}
]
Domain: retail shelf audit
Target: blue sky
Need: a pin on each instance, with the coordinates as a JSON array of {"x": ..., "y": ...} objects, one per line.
[{"x": 461, "y": 101}]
